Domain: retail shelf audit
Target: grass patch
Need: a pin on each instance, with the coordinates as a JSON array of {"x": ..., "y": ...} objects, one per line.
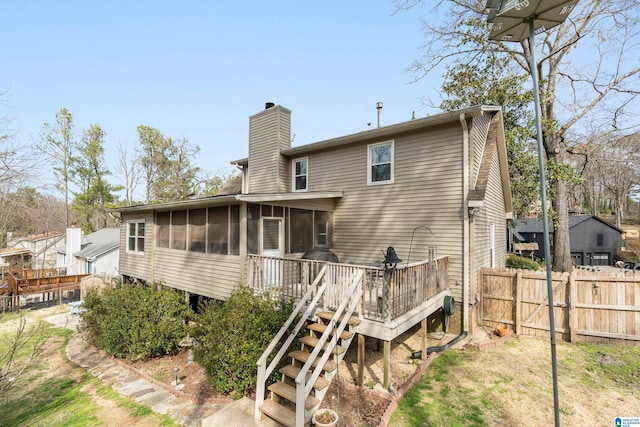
[
  {"x": 434, "y": 401},
  {"x": 53, "y": 403},
  {"x": 469, "y": 388},
  {"x": 39, "y": 399},
  {"x": 611, "y": 365}
]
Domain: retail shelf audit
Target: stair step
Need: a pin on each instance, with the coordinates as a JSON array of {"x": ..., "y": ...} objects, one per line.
[
  {"x": 303, "y": 356},
  {"x": 279, "y": 413},
  {"x": 293, "y": 371},
  {"x": 313, "y": 342},
  {"x": 328, "y": 315},
  {"x": 345, "y": 335},
  {"x": 289, "y": 393}
]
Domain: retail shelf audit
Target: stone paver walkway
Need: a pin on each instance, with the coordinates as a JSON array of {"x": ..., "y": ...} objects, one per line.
[
  {"x": 128, "y": 383},
  {"x": 131, "y": 384}
]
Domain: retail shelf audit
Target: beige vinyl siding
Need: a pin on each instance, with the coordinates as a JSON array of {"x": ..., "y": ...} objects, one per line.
[
  {"x": 493, "y": 212},
  {"x": 427, "y": 191},
  {"x": 137, "y": 265},
  {"x": 269, "y": 133},
  {"x": 479, "y": 130},
  {"x": 284, "y": 142},
  {"x": 210, "y": 275},
  {"x": 214, "y": 276}
]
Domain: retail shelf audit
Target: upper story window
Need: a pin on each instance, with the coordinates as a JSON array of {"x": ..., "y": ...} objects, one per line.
[
  {"x": 300, "y": 174},
  {"x": 600, "y": 239},
  {"x": 135, "y": 236},
  {"x": 380, "y": 163}
]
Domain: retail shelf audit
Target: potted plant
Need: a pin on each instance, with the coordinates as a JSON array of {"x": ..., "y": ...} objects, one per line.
[{"x": 325, "y": 418}]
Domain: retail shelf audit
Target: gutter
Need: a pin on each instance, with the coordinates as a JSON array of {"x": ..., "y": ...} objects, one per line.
[{"x": 465, "y": 231}]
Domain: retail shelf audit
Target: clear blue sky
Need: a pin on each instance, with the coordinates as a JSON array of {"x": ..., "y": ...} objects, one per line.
[{"x": 199, "y": 69}]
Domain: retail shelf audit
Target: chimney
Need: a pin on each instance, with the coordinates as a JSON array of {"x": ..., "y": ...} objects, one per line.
[
  {"x": 379, "y": 108},
  {"x": 269, "y": 134},
  {"x": 74, "y": 242}
]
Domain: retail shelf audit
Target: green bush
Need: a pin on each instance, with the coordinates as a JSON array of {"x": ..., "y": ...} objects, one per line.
[
  {"x": 522, "y": 263},
  {"x": 134, "y": 322},
  {"x": 232, "y": 335}
]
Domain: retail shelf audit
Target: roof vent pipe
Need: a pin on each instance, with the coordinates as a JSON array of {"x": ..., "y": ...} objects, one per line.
[
  {"x": 379, "y": 108},
  {"x": 268, "y": 105}
]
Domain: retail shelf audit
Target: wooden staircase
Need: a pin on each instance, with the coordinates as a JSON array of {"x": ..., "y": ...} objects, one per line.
[{"x": 282, "y": 400}]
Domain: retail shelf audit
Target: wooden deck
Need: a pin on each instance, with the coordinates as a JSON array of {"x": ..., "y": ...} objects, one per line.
[
  {"x": 387, "y": 307},
  {"x": 15, "y": 285}
]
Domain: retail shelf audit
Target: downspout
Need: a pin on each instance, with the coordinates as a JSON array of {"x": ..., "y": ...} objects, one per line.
[
  {"x": 449, "y": 304},
  {"x": 465, "y": 230}
]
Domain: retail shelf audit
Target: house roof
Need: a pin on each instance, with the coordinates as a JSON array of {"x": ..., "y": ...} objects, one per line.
[
  {"x": 98, "y": 243},
  {"x": 234, "y": 186},
  {"x": 232, "y": 199},
  {"x": 18, "y": 250},
  {"x": 536, "y": 225},
  {"x": 42, "y": 236},
  {"x": 385, "y": 131}
]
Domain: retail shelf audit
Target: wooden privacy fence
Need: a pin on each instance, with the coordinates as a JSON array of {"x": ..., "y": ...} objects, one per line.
[{"x": 587, "y": 306}]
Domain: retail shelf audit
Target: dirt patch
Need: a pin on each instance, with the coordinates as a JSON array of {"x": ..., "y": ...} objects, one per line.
[
  {"x": 192, "y": 378},
  {"x": 356, "y": 406}
]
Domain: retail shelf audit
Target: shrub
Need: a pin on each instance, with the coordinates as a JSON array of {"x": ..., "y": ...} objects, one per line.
[
  {"x": 232, "y": 335},
  {"x": 134, "y": 322},
  {"x": 520, "y": 262}
]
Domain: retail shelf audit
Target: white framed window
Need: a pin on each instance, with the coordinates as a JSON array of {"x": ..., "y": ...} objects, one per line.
[
  {"x": 135, "y": 236},
  {"x": 300, "y": 174},
  {"x": 380, "y": 163}
]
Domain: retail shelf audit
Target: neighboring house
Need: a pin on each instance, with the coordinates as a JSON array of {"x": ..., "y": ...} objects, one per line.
[
  {"x": 14, "y": 259},
  {"x": 439, "y": 182},
  {"x": 41, "y": 248},
  {"x": 593, "y": 241},
  {"x": 97, "y": 253}
]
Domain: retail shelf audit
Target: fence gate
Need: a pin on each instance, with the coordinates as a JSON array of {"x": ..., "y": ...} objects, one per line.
[{"x": 588, "y": 306}]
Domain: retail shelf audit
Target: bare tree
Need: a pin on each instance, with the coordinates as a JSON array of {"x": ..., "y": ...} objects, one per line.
[
  {"x": 611, "y": 170},
  {"x": 128, "y": 167},
  {"x": 22, "y": 350},
  {"x": 601, "y": 89},
  {"x": 58, "y": 143},
  {"x": 15, "y": 169}
]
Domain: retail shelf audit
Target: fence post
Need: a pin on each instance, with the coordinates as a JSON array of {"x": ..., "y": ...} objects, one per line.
[
  {"x": 573, "y": 310},
  {"x": 518, "y": 319},
  {"x": 480, "y": 304}
]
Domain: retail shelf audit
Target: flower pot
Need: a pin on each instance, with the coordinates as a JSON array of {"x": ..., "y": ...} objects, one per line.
[
  {"x": 502, "y": 331},
  {"x": 325, "y": 418}
]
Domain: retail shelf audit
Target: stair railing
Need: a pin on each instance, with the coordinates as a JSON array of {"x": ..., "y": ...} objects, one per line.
[
  {"x": 265, "y": 371},
  {"x": 348, "y": 304}
]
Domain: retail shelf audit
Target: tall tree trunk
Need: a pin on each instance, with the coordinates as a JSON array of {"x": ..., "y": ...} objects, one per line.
[{"x": 561, "y": 244}]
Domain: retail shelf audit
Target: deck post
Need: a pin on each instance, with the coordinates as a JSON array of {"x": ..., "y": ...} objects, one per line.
[
  {"x": 361, "y": 351},
  {"x": 386, "y": 355},
  {"x": 423, "y": 346},
  {"x": 573, "y": 309},
  {"x": 386, "y": 351}
]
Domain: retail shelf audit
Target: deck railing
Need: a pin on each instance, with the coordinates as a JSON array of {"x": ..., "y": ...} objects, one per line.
[{"x": 409, "y": 285}]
